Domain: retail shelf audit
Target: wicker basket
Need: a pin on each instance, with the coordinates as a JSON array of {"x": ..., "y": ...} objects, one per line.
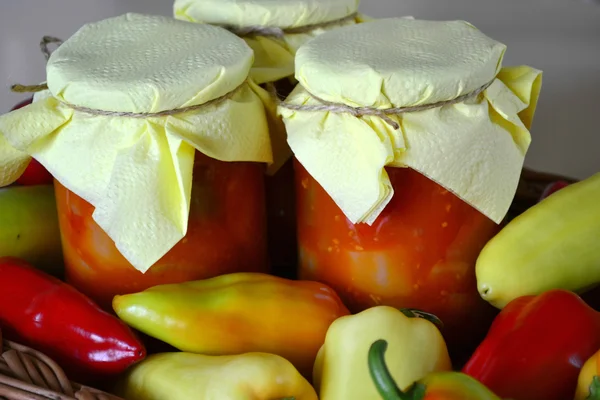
[{"x": 26, "y": 374}]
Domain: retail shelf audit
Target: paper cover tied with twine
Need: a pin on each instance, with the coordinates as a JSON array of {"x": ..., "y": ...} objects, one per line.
[
  {"x": 431, "y": 96},
  {"x": 274, "y": 29},
  {"x": 133, "y": 97}
]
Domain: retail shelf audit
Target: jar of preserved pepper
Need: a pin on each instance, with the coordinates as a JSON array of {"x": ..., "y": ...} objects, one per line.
[
  {"x": 158, "y": 143},
  {"x": 409, "y": 139},
  {"x": 275, "y": 30}
]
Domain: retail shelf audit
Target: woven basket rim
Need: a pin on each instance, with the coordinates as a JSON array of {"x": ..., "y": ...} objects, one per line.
[{"x": 27, "y": 374}]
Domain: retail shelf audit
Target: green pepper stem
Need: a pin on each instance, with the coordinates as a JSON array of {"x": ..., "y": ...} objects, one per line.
[
  {"x": 412, "y": 313},
  {"x": 594, "y": 389},
  {"x": 380, "y": 374}
]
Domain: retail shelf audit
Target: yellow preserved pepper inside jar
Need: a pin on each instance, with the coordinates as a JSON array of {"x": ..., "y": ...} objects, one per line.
[
  {"x": 154, "y": 135},
  {"x": 275, "y": 29},
  {"x": 408, "y": 155}
]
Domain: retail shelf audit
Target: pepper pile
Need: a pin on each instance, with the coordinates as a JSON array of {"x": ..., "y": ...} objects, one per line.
[{"x": 254, "y": 336}]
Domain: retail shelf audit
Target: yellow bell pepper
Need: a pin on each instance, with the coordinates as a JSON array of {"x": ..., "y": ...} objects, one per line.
[
  {"x": 416, "y": 348},
  {"x": 187, "y": 376},
  {"x": 588, "y": 384}
]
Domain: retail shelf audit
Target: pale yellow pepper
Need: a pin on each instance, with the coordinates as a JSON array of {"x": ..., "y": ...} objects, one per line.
[
  {"x": 187, "y": 376},
  {"x": 415, "y": 349}
]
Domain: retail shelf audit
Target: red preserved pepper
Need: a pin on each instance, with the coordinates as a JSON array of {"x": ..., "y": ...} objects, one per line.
[
  {"x": 536, "y": 347},
  {"x": 22, "y": 104},
  {"x": 226, "y": 234},
  {"x": 45, "y": 313},
  {"x": 420, "y": 253},
  {"x": 35, "y": 173}
]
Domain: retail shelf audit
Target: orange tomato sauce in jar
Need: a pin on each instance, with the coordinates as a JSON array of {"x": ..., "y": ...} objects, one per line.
[
  {"x": 420, "y": 252},
  {"x": 226, "y": 233}
]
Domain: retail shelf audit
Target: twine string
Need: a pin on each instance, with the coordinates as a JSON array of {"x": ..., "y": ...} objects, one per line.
[
  {"x": 384, "y": 114},
  {"x": 44, "y": 43},
  {"x": 274, "y": 31},
  {"x": 93, "y": 111},
  {"x": 338, "y": 108},
  {"x": 18, "y": 88},
  {"x": 46, "y": 40}
]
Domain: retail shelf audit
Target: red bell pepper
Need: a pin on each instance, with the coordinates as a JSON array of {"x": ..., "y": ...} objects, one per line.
[
  {"x": 44, "y": 313},
  {"x": 536, "y": 347},
  {"x": 443, "y": 385},
  {"x": 35, "y": 173}
]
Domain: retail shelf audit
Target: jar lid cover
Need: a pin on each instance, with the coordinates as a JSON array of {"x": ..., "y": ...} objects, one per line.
[
  {"x": 272, "y": 13},
  {"x": 398, "y": 62},
  {"x": 143, "y": 63}
]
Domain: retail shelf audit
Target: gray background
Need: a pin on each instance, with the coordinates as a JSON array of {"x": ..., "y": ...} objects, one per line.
[{"x": 560, "y": 37}]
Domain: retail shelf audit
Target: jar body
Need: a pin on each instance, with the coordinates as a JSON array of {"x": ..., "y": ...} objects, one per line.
[
  {"x": 225, "y": 235},
  {"x": 420, "y": 252}
]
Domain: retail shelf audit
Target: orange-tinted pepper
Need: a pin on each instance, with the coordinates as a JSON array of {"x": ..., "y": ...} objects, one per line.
[{"x": 237, "y": 313}]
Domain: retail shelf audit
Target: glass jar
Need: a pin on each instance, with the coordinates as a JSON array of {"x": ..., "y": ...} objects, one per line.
[
  {"x": 159, "y": 149},
  {"x": 224, "y": 235},
  {"x": 419, "y": 253},
  {"x": 408, "y": 155},
  {"x": 299, "y": 22}
]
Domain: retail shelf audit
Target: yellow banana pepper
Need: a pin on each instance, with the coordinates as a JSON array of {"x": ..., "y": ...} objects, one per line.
[
  {"x": 416, "y": 348},
  {"x": 588, "y": 384},
  {"x": 235, "y": 314},
  {"x": 187, "y": 376}
]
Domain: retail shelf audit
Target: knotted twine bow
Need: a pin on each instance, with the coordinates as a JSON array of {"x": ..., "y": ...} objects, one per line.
[{"x": 46, "y": 40}]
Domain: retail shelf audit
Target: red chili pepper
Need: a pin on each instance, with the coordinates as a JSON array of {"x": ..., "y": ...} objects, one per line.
[
  {"x": 537, "y": 346},
  {"x": 35, "y": 173},
  {"x": 45, "y": 313}
]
